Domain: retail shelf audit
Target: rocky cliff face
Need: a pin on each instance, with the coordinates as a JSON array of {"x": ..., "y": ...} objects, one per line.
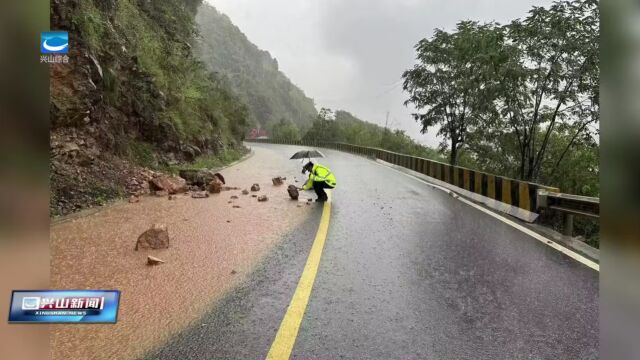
[
  {"x": 132, "y": 96},
  {"x": 253, "y": 72}
]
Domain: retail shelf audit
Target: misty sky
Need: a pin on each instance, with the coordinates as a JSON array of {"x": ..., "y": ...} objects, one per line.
[{"x": 350, "y": 54}]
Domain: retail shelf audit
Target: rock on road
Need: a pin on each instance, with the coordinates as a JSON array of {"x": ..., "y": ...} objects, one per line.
[
  {"x": 215, "y": 243},
  {"x": 407, "y": 272}
]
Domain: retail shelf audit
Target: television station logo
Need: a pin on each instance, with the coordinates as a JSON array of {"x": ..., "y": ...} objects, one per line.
[
  {"x": 64, "y": 306},
  {"x": 54, "y": 47}
]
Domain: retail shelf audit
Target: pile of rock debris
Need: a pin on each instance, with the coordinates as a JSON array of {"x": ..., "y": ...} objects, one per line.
[{"x": 200, "y": 183}]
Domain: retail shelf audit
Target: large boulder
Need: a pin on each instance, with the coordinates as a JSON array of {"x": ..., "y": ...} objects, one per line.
[
  {"x": 200, "y": 177},
  {"x": 197, "y": 177},
  {"x": 157, "y": 237},
  {"x": 215, "y": 186},
  {"x": 170, "y": 184},
  {"x": 293, "y": 192},
  {"x": 220, "y": 177}
]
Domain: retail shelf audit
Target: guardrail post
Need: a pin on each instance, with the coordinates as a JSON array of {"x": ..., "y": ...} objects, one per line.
[{"x": 567, "y": 228}]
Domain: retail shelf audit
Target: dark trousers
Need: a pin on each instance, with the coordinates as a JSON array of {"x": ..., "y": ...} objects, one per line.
[{"x": 319, "y": 187}]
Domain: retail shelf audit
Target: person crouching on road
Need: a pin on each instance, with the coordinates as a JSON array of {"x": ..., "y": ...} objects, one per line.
[{"x": 320, "y": 178}]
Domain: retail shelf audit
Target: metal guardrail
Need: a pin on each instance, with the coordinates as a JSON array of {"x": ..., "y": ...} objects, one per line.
[
  {"x": 570, "y": 206},
  {"x": 518, "y": 193},
  {"x": 522, "y": 194}
]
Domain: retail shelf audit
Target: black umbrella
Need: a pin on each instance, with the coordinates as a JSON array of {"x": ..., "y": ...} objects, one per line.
[{"x": 304, "y": 154}]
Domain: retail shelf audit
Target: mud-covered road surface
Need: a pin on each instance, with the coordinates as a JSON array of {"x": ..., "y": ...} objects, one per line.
[{"x": 214, "y": 246}]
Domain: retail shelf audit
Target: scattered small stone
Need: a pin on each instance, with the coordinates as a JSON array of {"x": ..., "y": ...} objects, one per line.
[
  {"x": 200, "y": 195},
  {"x": 171, "y": 197},
  {"x": 308, "y": 203},
  {"x": 236, "y": 206},
  {"x": 229, "y": 202},
  {"x": 284, "y": 178},
  {"x": 151, "y": 260},
  {"x": 134, "y": 199},
  {"x": 309, "y": 200},
  {"x": 245, "y": 192},
  {"x": 277, "y": 181},
  {"x": 254, "y": 195},
  {"x": 263, "y": 198},
  {"x": 233, "y": 272},
  {"x": 157, "y": 237},
  {"x": 228, "y": 221},
  {"x": 255, "y": 187},
  {"x": 293, "y": 192},
  {"x": 234, "y": 197}
]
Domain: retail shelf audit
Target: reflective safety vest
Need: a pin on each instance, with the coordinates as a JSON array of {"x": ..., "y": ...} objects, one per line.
[{"x": 320, "y": 173}]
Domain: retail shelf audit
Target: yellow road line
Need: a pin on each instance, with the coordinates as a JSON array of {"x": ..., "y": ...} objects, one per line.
[{"x": 288, "y": 331}]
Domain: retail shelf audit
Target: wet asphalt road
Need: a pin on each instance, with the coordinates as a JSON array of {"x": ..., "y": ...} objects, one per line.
[{"x": 407, "y": 272}]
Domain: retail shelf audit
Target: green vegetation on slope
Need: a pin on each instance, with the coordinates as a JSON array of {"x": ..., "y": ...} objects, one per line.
[
  {"x": 133, "y": 95},
  {"x": 276, "y": 104},
  {"x": 253, "y": 73},
  {"x": 342, "y": 126},
  {"x": 163, "y": 94}
]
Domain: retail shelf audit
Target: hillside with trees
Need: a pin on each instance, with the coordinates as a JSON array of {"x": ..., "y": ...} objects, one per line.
[
  {"x": 133, "y": 96},
  {"x": 253, "y": 73},
  {"x": 342, "y": 126}
]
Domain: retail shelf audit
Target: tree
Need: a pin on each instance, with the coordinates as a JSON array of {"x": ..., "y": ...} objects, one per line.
[
  {"x": 451, "y": 81},
  {"x": 551, "y": 77},
  {"x": 324, "y": 128},
  {"x": 355, "y": 131},
  {"x": 285, "y": 130},
  {"x": 342, "y": 126}
]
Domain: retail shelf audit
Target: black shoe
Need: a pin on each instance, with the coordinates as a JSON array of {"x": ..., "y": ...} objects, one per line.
[{"x": 321, "y": 200}]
